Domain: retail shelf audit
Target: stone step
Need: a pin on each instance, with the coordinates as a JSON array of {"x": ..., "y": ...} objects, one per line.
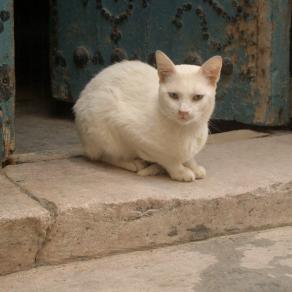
[
  {"x": 95, "y": 210},
  {"x": 23, "y": 226},
  {"x": 258, "y": 261}
]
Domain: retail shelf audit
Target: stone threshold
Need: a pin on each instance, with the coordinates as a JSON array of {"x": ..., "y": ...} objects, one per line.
[{"x": 63, "y": 210}]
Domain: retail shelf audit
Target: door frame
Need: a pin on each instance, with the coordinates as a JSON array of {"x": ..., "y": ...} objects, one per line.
[{"x": 7, "y": 80}]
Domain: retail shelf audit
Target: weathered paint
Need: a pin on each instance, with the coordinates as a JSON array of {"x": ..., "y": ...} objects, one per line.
[
  {"x": 7, "y": 82},
  {"x": 251, "y": 35},
  {"x": 273, "y": 77}
]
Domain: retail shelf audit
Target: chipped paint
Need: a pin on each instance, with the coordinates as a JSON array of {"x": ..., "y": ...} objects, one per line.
[
  {"x": 272, "y": 79},
  {"x": 258, "y": 35},
  {"x": 262, "y": 85}
]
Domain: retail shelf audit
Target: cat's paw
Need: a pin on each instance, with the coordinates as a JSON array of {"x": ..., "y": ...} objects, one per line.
[
  {"x": 200, "y": 172},
  {"x": 185, "y": 175},
  {"x": 132, "y": 165},
  {"x": 140, "y": 164},
  {"x": 151, "y": 170}
]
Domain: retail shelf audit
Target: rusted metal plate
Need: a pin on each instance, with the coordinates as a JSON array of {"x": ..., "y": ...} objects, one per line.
[
  {"x": 251, "y": 35},
  {"x": 7, "y": 82}
]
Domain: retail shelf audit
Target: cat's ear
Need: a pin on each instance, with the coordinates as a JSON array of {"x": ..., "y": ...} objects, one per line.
[
  {"x": 212, "y": 68},
  {"x": 165, "y": 67}
]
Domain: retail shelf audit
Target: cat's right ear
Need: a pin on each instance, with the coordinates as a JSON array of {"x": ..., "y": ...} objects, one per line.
[{"x": 165, "y": 67}]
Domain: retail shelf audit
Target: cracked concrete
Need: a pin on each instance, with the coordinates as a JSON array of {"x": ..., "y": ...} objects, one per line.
[
  {"x": 250, "y": 262},
  {"x": 97, "y": 210},
  {"x": 23, "y": 224},
  {"x": 47, "y": 205}
]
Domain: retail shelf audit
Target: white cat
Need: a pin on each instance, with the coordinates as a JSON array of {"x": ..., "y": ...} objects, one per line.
[{"x": 146, "y": 120}]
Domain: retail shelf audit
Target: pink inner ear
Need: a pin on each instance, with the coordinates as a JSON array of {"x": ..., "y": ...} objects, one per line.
[
  {"x": 164, "y": 73},
  {"x": 212, "y": 69},
  {"x": 213, "y": 79},
  {"x": 165, "y": 67},
  {"x": 211, "y": 72}
]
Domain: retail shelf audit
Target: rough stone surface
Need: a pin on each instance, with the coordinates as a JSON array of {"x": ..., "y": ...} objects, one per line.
[
  {"x": 39, "y": 130},
  {"x": 99, "y": 210},
  {"x": 23, "y": 225},
  {"x": 250, "y": 262}
]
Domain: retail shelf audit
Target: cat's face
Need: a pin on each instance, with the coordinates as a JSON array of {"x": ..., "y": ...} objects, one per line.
[{"x": 187, "y": 92}]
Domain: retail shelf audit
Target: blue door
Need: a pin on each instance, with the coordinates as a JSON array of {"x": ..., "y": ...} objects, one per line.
[
  {"x": 7, "y": 86},
  {"x": 251, "y": 35}
]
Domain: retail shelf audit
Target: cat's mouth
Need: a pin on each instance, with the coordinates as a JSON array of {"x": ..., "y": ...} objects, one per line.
[{"x": 184, "y": 119}]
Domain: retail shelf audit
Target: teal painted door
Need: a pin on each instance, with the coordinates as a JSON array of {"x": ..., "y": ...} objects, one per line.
[
  {"x": 6, "y": 79},
  {"x": 251, "y": 35}
]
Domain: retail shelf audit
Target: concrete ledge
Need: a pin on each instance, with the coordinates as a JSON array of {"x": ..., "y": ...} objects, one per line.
[
  {"x": 63, "y": 153},
  {"x": 99, "y": 210},
  {"x": 23, "y": 226}
]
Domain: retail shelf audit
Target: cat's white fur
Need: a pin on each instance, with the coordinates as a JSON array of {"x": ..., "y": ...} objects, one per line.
[{"x": 126, "y": 117}]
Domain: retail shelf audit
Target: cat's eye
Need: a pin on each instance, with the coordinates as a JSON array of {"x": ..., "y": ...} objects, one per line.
[
  {"x": 173, "y": 95},
  {"x": 197, "y": 97}
]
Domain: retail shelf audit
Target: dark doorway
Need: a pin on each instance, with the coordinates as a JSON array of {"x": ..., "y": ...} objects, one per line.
[
  {"x": 41, "y": 122},
  {"x": 32, "y": 49}
]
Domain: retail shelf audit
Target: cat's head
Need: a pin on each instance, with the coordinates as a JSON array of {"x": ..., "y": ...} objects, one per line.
[{"x": 187, "y": 92}]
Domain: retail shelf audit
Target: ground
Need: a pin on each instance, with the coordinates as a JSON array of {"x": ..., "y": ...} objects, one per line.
[
  {"x": 57, "y": 208},
  {"x": 250, "y": 262}
]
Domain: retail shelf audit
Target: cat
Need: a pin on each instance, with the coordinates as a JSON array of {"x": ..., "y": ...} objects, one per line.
[{"x": 148, "y": 121}]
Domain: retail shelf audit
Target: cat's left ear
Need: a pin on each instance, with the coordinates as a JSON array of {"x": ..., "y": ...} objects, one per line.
[
  {"x": 212, "y": 68},
  {"x": 165, "y": 67}
]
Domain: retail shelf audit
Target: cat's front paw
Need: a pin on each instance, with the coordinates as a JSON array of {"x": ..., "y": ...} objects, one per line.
[
  {"x": 140, "y": 164},
  {"x": 153, "y": 169},
  {"x": 184, "y": 174},
  {"x": 200, "y": 172}
]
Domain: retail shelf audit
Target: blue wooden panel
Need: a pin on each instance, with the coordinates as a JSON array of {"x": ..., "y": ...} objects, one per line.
[
  {"x": 6, "y": 79},
  {"x": 251, "y": 35}
]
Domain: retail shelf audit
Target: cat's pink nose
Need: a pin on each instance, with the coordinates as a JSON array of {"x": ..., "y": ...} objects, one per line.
[{"x": 183, "y": 114}]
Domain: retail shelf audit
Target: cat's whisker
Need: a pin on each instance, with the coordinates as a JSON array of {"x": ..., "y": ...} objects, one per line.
[{"x": 213, "y": 126}]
